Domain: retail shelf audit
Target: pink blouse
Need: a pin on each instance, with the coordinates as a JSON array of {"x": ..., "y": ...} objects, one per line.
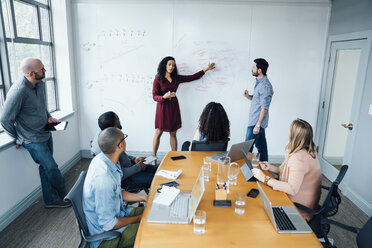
[{"x": 301, "y": 180}]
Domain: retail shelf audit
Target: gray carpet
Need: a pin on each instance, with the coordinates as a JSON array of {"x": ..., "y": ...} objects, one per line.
[{"x": 38, "y": 227}]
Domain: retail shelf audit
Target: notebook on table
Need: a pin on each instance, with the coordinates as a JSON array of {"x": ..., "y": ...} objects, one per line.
[
  {"x": 182, "y": 209},
  {"x": 285, "y": 219}
]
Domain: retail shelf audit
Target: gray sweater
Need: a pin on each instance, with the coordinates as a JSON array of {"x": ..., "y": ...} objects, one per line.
[
  {"x": 25, "y": 112},
  {"x": 126, "y": 161}
]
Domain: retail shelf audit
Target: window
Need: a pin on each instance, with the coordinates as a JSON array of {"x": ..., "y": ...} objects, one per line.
[{"x": 27, "y": 27}]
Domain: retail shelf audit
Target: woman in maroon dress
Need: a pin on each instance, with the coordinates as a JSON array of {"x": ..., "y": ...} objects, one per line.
[{"x": 168, "y": 117}]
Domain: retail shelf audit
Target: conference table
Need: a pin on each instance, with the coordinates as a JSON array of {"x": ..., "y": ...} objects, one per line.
[{"x": 224, "y": 228}]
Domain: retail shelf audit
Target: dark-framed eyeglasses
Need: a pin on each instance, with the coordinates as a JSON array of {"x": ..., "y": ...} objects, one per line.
[
  {"x": 125, "y": 136},
  {"x": 41, "y": 70}
]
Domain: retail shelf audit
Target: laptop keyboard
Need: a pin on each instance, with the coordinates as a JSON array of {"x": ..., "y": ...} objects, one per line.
[
  {"x": 179, "y": 206},
  {"x": 282, "y": 220}
]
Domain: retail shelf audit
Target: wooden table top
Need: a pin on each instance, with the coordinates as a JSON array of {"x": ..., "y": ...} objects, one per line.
[{"x": 224, "y": 228}]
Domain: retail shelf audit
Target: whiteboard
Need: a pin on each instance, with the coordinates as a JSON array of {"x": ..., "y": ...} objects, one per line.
[{"x": 119, "y": 46}]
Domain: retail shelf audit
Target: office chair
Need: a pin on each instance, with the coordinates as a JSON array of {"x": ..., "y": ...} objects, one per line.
[
  {"x": 75, "y": 196},
  {"x": 320, "y": 223},
  {"x": 209, "y": 146}
]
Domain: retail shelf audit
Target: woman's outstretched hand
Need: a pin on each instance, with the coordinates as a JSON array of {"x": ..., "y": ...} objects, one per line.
[{"x": 209, "y": 67}]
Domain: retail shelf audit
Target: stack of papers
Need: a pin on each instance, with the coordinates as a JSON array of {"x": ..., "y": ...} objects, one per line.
[
  {"x": 167, "y": 195},
  {"x": 169, "y": 174}
]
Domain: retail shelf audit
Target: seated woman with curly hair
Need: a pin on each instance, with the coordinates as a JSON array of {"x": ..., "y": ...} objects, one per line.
[{"x": 214, "y": 125}]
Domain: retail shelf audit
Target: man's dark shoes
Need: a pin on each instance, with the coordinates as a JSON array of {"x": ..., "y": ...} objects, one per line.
[{"x": 58, "y": 204}]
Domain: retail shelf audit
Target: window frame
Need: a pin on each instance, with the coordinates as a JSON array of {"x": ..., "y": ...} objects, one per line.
[{"x": 5, "y": 74}]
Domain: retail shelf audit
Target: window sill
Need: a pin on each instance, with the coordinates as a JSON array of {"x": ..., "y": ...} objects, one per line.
[{"x": 6, "y": 141}]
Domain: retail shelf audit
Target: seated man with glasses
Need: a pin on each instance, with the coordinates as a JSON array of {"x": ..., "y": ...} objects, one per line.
[
  {"x": 136, "y": 174},
  {"x": 103, "y": 197}
]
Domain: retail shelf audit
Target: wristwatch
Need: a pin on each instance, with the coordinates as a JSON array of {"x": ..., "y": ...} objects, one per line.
[{"x": 258, "y": 125}]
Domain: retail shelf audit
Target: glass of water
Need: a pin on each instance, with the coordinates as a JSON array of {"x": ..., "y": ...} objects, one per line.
[
  {"x": 207, "y": 161},
  {"x": 240, "y": 199},
  {"x": 199, "y": 221},
  {"x": 233, "y": 173},
  {"x": 255, "y": 158},
  {"x": 206, "y": 169}
]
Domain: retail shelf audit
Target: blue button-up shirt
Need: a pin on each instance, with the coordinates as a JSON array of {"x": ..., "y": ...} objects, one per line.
[
  {"x": 263, "y": 92},
  {"x": 102, "y": 199}
]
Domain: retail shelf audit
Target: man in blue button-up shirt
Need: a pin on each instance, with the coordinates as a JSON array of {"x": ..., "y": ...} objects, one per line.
[
  {"x": 259, "y": 112},
  {"x": 102, "y": 195}
]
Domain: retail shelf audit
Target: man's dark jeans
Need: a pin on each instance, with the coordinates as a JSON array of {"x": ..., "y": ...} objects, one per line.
[
  {"x": 140, "y": 180},
  {"x": 52, "y": 181},
  {"x": 259, "y": 142}
]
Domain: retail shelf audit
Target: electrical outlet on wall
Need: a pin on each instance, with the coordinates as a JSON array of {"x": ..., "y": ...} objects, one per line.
[{"x": 370, "y": 109}]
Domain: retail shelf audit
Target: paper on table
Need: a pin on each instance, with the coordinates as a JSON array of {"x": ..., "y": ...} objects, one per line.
[
  {"x": 167, "y": 195},
  {"x": 169, "y": 174}
]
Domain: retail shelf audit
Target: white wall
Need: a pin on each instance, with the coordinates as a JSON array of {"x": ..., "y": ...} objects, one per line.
[
  {"x": 291, "y": 37},
  {"x": 349, "y": 17},
  {"x": 19, "y": 176}
]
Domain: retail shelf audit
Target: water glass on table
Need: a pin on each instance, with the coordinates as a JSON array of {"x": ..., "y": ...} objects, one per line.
[
  {"x": 207, "y": 161},
  {"x": 206, "y": 170},
  {"x": 240, "y": 199},
  {"x": 199, "y": 221},
  {"x": 255, "y": 158},
  {"x": 233, "y": 173}
]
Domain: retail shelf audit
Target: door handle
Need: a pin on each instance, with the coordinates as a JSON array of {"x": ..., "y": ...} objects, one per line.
[{"x": 349, "y": 126}]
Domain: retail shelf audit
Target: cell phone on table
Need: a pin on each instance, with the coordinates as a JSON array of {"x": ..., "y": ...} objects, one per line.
[
  {"x": 178, "y": 157},
  {"x": 253, "y": 193},
  {"x": 170, "y": 184}
]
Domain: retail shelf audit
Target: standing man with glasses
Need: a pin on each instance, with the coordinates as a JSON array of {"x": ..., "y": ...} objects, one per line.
[
  {"x": 259, "y": 111},
  {"x": 24, "y": 117}
]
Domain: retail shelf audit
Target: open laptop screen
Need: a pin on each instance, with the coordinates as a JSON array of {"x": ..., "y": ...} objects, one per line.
[{"x": 196, "y": 194}]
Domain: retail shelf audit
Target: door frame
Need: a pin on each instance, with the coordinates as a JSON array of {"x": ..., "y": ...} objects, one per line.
[{"x": 323, "y": 109}]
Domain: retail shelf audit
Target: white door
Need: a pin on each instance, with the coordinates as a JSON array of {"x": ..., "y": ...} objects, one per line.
[{"x": 340, "y": 103}]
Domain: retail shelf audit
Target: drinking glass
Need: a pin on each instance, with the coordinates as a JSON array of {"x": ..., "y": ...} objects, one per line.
[
  {"x": 206, "y": 172},
  {"x": 208, "y": 161},
  {"x": 255, "y": 158},
  {"x": 199, "y": 221},
  {"x": 233, "y": 173},
  {"x": 240, "y": 202}
]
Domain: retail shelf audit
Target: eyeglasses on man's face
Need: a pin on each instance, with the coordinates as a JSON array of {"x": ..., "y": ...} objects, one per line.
[
  {"x": 41, "y": 70},
  {"x": 125, "y": 136}
]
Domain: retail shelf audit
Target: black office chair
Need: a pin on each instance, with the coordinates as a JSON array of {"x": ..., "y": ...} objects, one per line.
[
  {"x": 364, "y": 235},
  {"x": 320, "y": 222},
  {"x": 75, "y": 196},
  {"x": 209, "y": 146}
]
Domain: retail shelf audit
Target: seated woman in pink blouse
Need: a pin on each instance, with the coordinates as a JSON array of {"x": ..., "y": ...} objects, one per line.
[{"x": 299, "y": 175}]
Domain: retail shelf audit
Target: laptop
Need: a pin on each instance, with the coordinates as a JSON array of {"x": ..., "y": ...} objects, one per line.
[
  {"x": 182, "y": 209},
  {"x": 246, "y": 168},
  {"x": 285, "y": 219},
  {"x": 235, "y": 152}
]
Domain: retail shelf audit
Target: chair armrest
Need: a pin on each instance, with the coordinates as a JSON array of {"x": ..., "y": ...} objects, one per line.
[
  {"x": 306, "y": 209},
  {"x": 325, "y": 187},
  {"x": 104, "y": 235}
]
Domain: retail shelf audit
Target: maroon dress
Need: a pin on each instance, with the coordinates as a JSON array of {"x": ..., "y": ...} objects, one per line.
[{"x": 168, "y": 116}]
